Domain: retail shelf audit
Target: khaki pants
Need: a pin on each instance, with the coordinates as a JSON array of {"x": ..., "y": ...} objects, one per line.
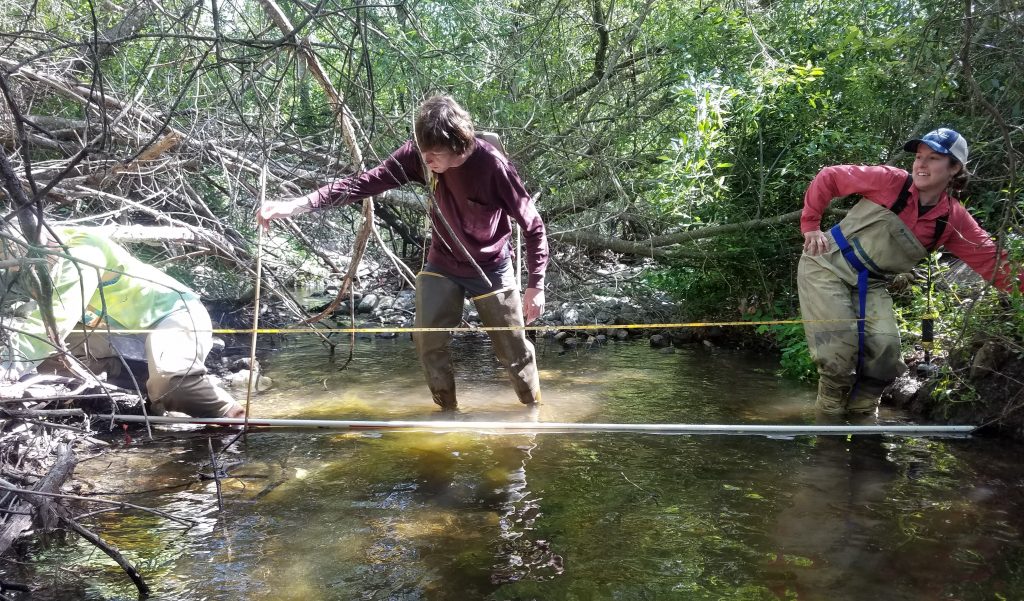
[
  {"x": 439, "y": 303},
  {"x": 174, "y": 354}
]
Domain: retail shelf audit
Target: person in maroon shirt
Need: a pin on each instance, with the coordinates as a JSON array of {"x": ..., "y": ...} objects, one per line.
[
  {"x": 475, "y": 194},
  {"x": 843, "y": 274}
]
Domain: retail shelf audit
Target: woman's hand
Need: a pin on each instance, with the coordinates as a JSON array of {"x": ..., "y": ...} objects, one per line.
[
  {"x": 815, "y": 243},
  {"x": 533, "y": 304},
  {"x": 281, "y": 209}
]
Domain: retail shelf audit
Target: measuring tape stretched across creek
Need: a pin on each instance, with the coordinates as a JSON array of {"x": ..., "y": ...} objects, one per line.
[{"x": 562, "y": 427}]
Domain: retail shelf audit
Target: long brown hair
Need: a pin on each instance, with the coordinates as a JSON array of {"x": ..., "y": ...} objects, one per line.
[
  {"x": 959, "y": 181},
  {"x": 442, "y": 123}
]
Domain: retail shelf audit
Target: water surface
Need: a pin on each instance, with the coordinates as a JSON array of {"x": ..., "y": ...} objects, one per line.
[{"x": 317, "y": 515}]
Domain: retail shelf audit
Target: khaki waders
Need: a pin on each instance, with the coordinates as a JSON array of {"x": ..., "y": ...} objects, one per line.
[
  {"x": 829, "y": 304},
  {"x": 439, "y": 302},
  {"x": 176, "y": 351}
]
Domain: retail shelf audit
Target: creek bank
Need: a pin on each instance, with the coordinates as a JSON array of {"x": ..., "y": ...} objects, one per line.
[
  {"x": 45, "y": 430},
  {"x": 977, "y": 384},
  {"x": 597, "y": 320}
]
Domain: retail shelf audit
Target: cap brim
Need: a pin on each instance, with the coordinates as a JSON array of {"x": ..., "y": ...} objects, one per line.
[{"x": 911, "y": 146}]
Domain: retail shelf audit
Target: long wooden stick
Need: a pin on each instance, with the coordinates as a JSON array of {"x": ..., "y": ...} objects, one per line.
[{"x": 256, "y": 303}]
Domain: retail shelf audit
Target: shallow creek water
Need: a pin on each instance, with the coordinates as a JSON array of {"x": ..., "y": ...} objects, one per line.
[{"x": 317, "y": 515}]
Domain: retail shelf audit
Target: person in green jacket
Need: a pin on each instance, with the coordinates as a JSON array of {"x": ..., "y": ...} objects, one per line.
[{"x": 98, "y": 283}]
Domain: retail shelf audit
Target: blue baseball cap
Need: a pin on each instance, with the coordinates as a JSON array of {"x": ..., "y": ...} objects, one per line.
[{"x": 942, "y": 141}]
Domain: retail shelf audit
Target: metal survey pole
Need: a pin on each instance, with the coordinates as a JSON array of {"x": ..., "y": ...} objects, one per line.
[{"x": 562, "y": 427}]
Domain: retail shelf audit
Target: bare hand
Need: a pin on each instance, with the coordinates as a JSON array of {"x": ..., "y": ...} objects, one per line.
[
  {"x": 280, "y": 209},
  {"x": 533, "y": 304},
  {"x": 815, "y": 243}
]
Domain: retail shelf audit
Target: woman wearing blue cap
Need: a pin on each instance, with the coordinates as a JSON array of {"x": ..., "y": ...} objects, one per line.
[{"x": 843, "y": 273}]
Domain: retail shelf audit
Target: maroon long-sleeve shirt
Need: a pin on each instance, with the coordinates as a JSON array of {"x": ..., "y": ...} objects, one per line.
[{"x": 477, "y": 199}]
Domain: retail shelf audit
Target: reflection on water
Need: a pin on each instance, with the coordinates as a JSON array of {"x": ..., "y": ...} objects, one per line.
[{"x": 327, "y": 515}]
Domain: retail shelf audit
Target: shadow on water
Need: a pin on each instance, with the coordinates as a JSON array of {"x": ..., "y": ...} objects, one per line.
[{"x": 421, "y": 515}]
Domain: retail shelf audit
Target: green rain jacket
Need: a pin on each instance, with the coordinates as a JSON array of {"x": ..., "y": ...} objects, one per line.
[{"x": 122, "y": 292}]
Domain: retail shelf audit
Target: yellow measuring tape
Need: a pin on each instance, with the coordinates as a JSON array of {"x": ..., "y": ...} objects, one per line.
[{"x": 542, "y": 328}]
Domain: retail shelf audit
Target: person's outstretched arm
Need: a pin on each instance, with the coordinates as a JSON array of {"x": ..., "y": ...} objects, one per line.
[
  {"x": 875, "y": 183},
  {"x": 969, "y": 242},
  {"x": 403, "y": 166}
]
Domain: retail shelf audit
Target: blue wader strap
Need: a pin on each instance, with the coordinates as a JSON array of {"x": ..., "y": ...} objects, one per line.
[{"x": 862, "y": 296}]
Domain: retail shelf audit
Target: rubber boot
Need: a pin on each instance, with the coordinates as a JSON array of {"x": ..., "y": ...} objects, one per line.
[
  {"x": 832, "y": 399},
  {"x": 867, "y": 396},
  {"x": 438, "y": 305},
  {"x": 514, "y": 351},
  {"x": 194, "y": 395}
]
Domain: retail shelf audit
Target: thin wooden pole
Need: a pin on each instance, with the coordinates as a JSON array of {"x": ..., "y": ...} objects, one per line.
[{"x": 256, "y": 303}]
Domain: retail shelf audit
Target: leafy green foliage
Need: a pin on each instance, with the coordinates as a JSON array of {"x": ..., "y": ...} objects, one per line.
[
  {"x": 795, "y": 359},
  {"x": 638, "y": 119}
]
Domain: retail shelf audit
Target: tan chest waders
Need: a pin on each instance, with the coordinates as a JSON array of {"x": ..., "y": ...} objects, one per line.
[{"x": 851, "y": 328}]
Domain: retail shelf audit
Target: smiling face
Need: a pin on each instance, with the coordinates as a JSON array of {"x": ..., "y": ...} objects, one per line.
[
  {"x": 440, "y": 160},
  {"x": 932, "y": 172}
]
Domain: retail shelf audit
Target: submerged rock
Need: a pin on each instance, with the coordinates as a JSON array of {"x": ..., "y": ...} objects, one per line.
[
  {"x": 904, "y": 390},
  {"x": 659, "y": 341},
  {"x": 368, "y": 303},
  {"x": 240, "y": 380},
  {"x": 240, "y": 363},
  {"x": 684, "y": 337},
  {"x": 405, "y": 301}
]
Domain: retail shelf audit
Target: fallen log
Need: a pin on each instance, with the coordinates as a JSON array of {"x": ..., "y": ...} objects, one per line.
[{"x": 36, "y": 413}]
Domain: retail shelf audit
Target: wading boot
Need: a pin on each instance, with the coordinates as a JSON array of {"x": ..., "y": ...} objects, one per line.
[
  {"x": 832, "y": 399},
  {"x": 514, "y": 351},
  {"x": 438, "y": 305},
  {"x": 868, "y": 394}
]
